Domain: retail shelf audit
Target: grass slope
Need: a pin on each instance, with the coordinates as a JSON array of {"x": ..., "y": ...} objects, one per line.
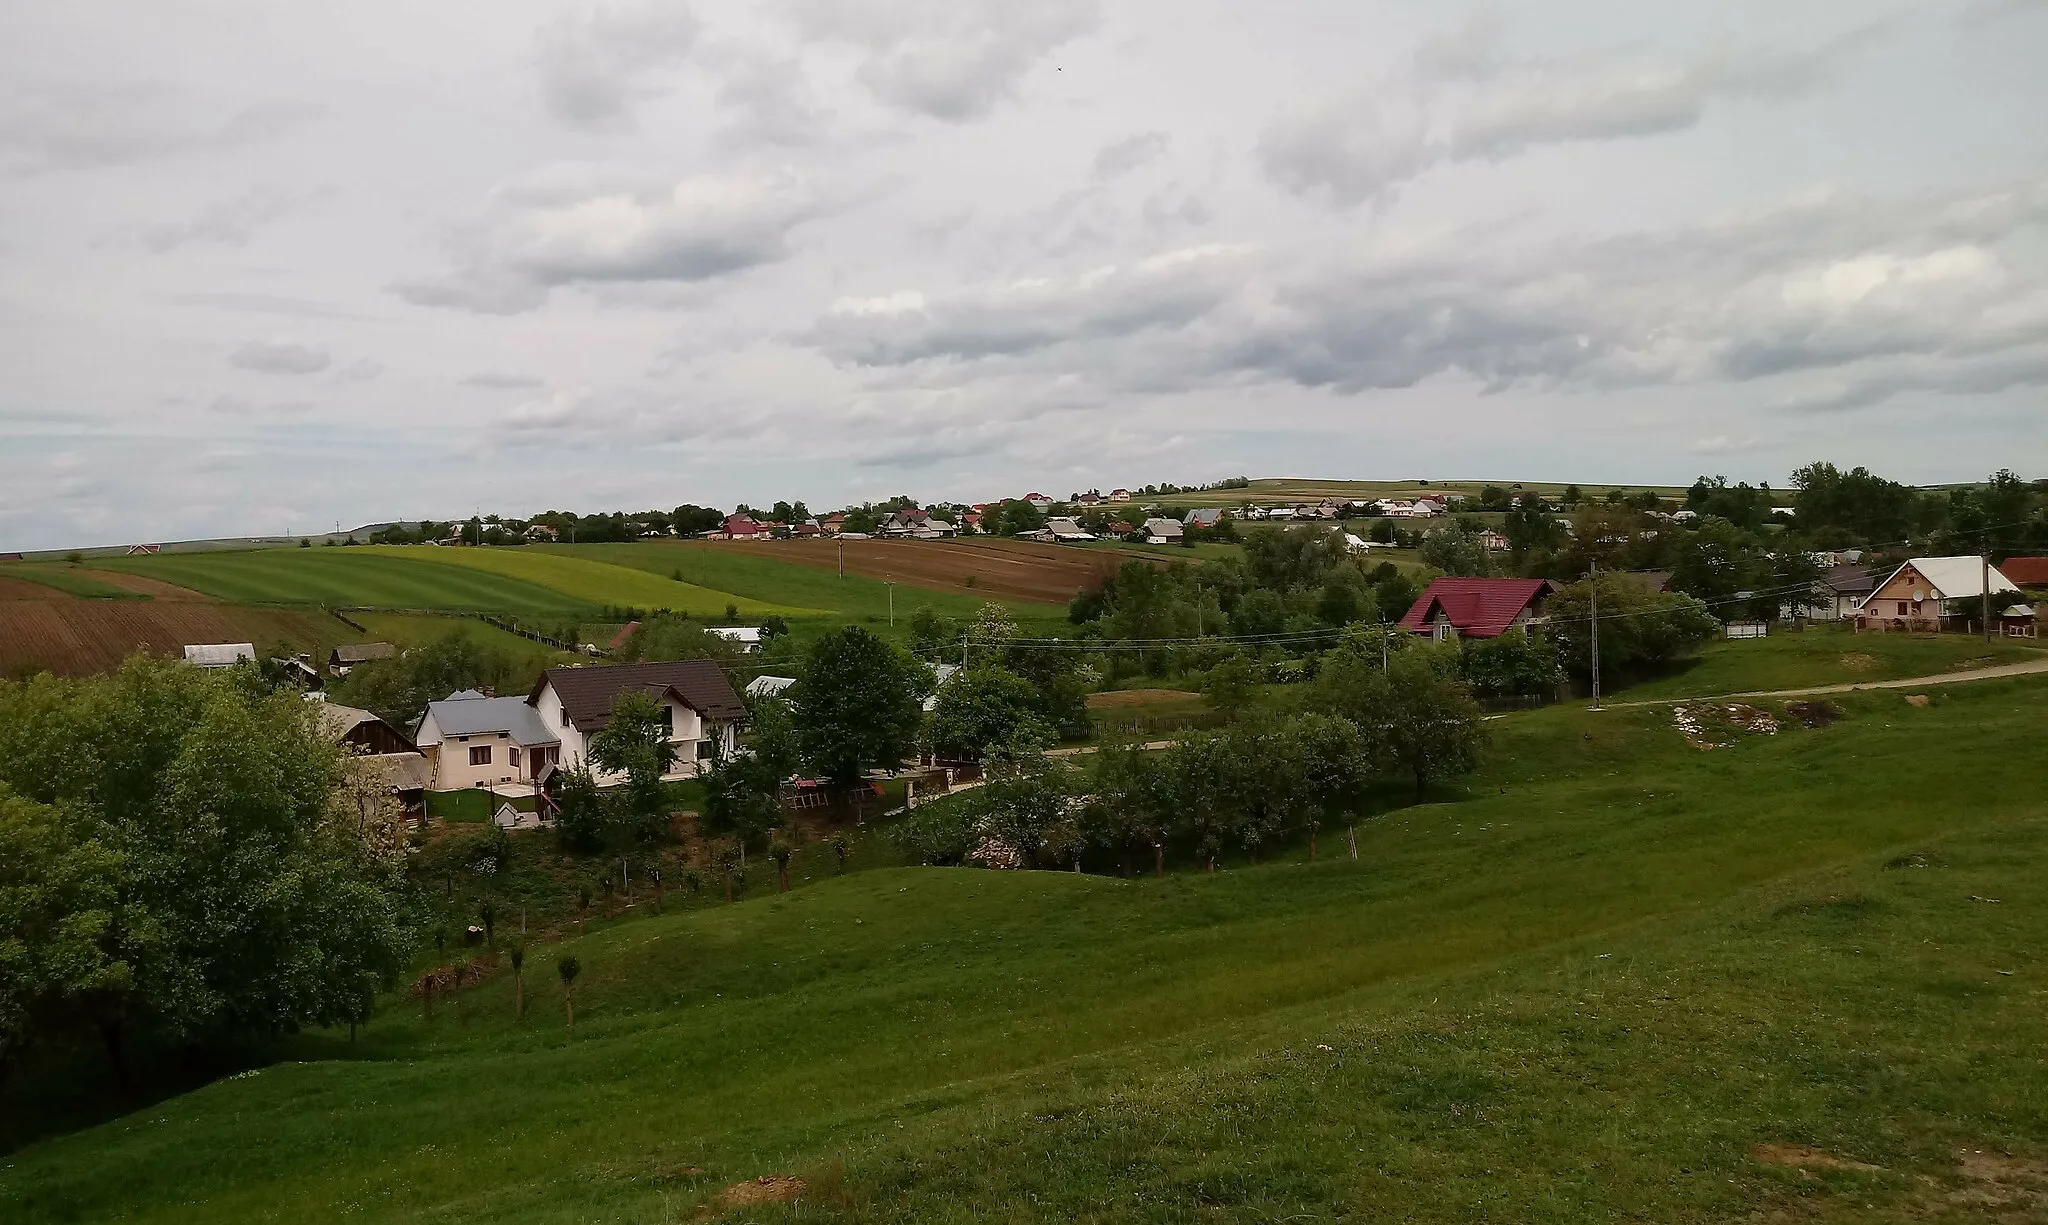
[
  {"x": 353, "y": 577},
  {"x": 65, "y": 580},
  {"x": 591, "y": 580},
  {"x": 782, "y": 582},
  {"x": 1825, "y": 657},
  {"x": 1583, "y": 993}
]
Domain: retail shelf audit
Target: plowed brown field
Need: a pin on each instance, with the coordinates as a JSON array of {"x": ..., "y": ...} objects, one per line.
[
  {"x": 1014, "y": 569},
  {"x": 79, "y": 637},
  {"x": 22, "y": 589},
  {"x": 142, "y": 584}
]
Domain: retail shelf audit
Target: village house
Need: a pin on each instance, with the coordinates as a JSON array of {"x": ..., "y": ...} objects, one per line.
[
  {"x": 700, "y": 711},
  {"x": 1060, "y": 531},
  {"x": 384, "y": 749},
  {"x": 2028, "y": 572},
  {"x": 470, "y": 740},
  {"x": 741, "y": 527},
  {"x": 1492, "y": 541},
  {"x": 1928, "y": 594},
  {"x": 1477, "y": 607},
  {"x": 746, "y": 637},
  {"x": 1119, "y": 495},
  {"x": 1837, "y": 595},
  {"x": 1038, "y": 502},
  {"x": 345, "y": 657},
  {"x": 1203, "y": 518},
  {"x": 1162, "y": 531},
  {"x": 540, "y": 532}
]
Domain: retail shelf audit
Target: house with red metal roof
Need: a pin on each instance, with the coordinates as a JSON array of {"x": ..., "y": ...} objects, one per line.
[
  {"x": 2026, "y": 571},
  {"x": 1477, "y": 607}
]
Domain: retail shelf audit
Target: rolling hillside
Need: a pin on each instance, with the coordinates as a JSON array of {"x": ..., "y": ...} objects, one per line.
[
  {"x": 1624, "y": 979},
  {"x": 348, "y": 578}
]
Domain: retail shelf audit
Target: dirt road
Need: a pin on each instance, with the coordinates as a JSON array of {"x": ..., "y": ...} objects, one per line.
[{"x": 2029, "y": 668}]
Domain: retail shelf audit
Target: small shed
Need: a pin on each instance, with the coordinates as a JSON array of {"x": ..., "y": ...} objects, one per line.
[
  {"x": 348, "y": 655},
  {"x": 219, "y": 654}
]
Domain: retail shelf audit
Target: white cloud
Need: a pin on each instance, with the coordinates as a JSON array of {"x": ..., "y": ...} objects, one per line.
[
  {"x": 952, "y": 60},
  {"x": 504, "y": 381},
  {"x": 592, "y": 226},
  {"x": 230, "y": 222},
  {"x": 279, "y": 357},
  {"x": 596, "y": 67}
]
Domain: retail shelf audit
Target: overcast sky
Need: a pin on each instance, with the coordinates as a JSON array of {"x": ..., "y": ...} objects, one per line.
[{"x": 266, "y": 267}]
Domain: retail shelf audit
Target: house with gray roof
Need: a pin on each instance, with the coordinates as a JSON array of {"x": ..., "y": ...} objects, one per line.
[
  {"x": 470, "y": 740},
  {"x": 220, "y": 654}
]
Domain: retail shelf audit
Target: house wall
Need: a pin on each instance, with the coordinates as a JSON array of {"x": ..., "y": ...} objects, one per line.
[
  {"x": 691, "y": 731},
  {"x": 450, "y": 760}
]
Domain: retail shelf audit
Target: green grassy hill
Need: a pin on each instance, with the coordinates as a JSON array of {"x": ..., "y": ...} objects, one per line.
[
  {"x": 358, "y": 577},
  {"x": 780, "y": 582},
  {"x": 593, "y": 580},
  {"x": 1589, "y": 990}
]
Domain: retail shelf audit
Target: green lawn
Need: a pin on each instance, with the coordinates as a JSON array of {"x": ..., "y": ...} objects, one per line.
[
  {"x": 413, "y": 629},
  {"x": 347, "y": 577},
  {"x": 592, "y": 581},
  {"x": 783, "y": 582},
  {"x": 1787, "y": 660},
  {"x": 1582, "y": 992}
]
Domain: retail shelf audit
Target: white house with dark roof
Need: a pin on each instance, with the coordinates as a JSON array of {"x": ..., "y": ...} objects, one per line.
[{"x": 700, "y": 710}]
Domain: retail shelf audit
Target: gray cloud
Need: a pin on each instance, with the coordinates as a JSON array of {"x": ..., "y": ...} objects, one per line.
[
  {"x": 231, "y": 222},
  {"x": 1464, "y": 103},
  {"x": 504, "y": 382},
  {"x": 596, "y": 67},
  {"x": 279, "y": 357},
  {"x": 84, "y": 127},
  {"x": 1815, "y": 288},
  {"x": 952, "y": 60},
  {"x": 590, "y": 226},
  {"x": 236, "y": 406},
  {"x": 1120, "y": 157},
  {"x": 263, "y": 304}
]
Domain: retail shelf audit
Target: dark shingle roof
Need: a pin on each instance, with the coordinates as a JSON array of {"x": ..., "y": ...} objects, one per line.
[
  {"x": 588, "y": 693},
  {"x": 1849, "y": 579}
]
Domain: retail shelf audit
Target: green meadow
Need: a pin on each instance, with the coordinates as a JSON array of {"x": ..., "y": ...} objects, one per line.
[
  {"x": 781, "y": 582},
  {"x": 1823, "y": 656},
  {"x": 1614, "y": 977},
  {"x": 348, "y": 577},
  {"x": 593, "y": 580}
]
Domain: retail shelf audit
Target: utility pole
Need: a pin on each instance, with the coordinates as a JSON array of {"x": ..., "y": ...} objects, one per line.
[
  {"x": 842, "y": 559},
  {"x": 1594, "y": 588},
  {"x": 1986, "y": 559},
  {"x": 892, "y": 602}
]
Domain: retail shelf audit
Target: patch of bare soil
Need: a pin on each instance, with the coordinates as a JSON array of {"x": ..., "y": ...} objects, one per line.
[
  {"x": 1916, "y": 699},
  {"x": 2012, "y": 1186},
  {"x": 1117, "y": 699},
  {"x": 767, "y": 1189},
  {"x": 22, "y": 589},
  {"x": 443, "y": 977},
  {"x": 1857, "y": 661},
  {"x": 1800, "y": 1157},
  {"x": 1817, "y": 713},
  {"x": 1716, "y": 725}
]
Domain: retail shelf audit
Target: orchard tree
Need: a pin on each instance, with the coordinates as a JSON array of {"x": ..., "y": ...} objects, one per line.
[
  {"x": 635, "y": 742},
  {"x": 981, "y": 708},
  {"x": 857, "y": 705}
]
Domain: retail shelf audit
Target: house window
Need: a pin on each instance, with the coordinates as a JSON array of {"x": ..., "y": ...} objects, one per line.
[
  {"x": 668, "y": 723},
  {"x": 480, "y": 755},
  {"x": 515, "y": 757},
  {"x": 1904, "y": 610},
  {"x": 706, "y": 749}
]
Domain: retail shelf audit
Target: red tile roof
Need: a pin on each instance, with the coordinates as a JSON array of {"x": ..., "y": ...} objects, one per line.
[
  {"x": 1479, "y": 607},
  {"x": 2025, "y": 571}
]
